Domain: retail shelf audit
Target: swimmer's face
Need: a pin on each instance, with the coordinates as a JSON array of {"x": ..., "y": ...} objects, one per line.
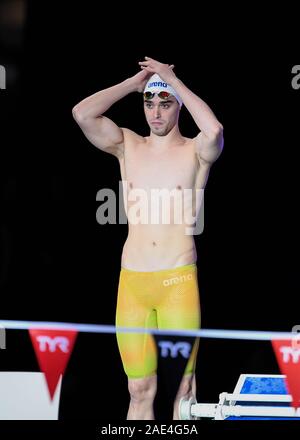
[{"x": 161, "y": 114}]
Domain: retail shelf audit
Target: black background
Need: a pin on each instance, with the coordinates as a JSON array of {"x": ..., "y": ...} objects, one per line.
[{"x": 59, "y": 264}]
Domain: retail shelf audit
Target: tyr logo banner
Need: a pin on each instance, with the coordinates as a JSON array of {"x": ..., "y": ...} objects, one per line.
[
  {"x": 53, "y": 349},
  {"x": 288, "y": 358}
]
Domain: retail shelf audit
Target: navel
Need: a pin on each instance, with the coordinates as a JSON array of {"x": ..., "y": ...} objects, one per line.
[
  {"x": 153, "y": 243},
  {"x": 178, "y": 187},
  {"x": 130, "y": 185}
]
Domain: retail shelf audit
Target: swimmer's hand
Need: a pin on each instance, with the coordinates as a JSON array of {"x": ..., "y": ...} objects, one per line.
[
  {"x": 165, "y": 71},
  {"x": 140, "y": 80}
]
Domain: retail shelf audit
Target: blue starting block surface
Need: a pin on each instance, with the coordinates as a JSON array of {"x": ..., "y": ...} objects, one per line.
[{"x": 261, "y": 385}]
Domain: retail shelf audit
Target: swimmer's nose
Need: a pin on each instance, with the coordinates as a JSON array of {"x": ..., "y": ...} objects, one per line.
[{"x": 157, "y": 112}]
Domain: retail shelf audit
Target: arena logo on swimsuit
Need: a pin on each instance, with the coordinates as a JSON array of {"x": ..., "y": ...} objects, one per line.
[{"x": 177, "y": 280}]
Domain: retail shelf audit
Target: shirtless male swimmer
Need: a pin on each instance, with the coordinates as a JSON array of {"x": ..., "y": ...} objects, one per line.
[{"x": 155, "y": 253}]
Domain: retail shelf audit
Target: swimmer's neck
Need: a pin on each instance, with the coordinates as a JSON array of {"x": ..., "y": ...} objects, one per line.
[{"x": 173, "y": 137}]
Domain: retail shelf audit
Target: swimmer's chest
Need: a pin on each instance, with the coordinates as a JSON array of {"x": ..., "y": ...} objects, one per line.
[{"x": 174, "y": 168}]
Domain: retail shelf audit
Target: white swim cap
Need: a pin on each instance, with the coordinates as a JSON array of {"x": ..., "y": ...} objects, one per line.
[{"x": 156, "y": 85}]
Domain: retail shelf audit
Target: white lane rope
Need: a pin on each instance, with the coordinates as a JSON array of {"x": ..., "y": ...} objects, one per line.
[{"x": 203, "y": 333}]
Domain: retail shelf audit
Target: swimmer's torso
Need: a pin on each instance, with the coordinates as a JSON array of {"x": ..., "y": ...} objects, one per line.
[{"x": 159, "y": 192}]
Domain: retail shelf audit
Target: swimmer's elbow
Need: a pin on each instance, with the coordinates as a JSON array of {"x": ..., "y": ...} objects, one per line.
[
  {"x": 78, "y": 115},
  {"x": 216, "y": 133},
  {"x": 82, "y": 117},
  {"x": 217, "y": 140}
]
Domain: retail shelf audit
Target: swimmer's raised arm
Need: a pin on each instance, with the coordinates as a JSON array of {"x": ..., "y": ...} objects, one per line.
[
  {"x": 209, "y": 142},
  {"x": 100, "y": 130}
]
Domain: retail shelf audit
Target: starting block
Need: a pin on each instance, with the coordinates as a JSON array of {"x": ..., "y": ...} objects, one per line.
[{"x": 255, "y": 397}]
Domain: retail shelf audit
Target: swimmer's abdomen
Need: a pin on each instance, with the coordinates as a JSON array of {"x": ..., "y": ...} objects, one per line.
[{"x": 155, "y": 248}]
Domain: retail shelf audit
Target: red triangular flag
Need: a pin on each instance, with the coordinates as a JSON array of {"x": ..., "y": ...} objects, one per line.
[
  {"x": 288, "y": 358},
  {"x": 53, "y": 349}
]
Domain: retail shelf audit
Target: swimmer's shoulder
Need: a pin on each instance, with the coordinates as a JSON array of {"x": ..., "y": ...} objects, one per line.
[
  {"x": 187, "y": 143},
  {"x": 131, "y": 137}
]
